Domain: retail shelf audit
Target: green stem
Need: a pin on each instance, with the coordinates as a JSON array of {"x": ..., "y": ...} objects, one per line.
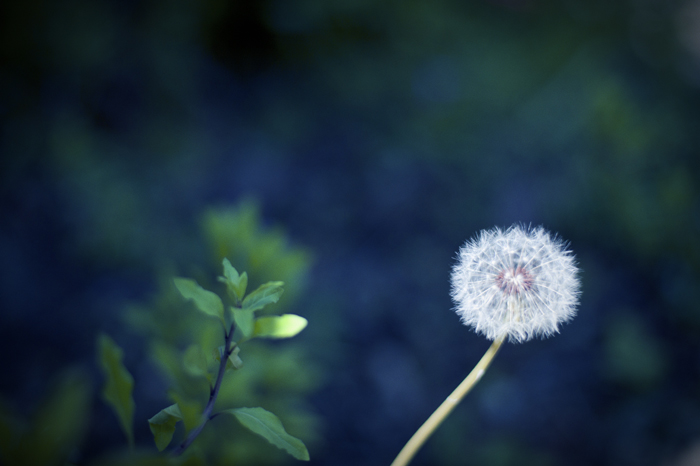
[
  {"x": 435, "y": 419},
  {"x": 214, "y": 392}
]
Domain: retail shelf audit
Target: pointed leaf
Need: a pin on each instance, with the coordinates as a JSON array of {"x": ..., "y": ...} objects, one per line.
[
  {"x": 195, "y": 361},
  {"x": 235, "y": 284},
  {"x": 119, "y": 384},
  {"x": 245, "y": 321},
  {"x": 284, "y": 326},
  {"x": 206, "y": 301},
  {"x": 267, "y": 425},
  {"x": 265, "y": 294},
  {"x": 163, "y": 425}
]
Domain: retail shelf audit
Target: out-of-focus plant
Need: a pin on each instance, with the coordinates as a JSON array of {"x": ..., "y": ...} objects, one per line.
[
  {"x": 241, "y": 323},
  {"x": 182, "y": 343},
  {"x": 56, "y": 430},
  {"x": 195, "y": 355},
  {"x": 206, "y": 362}
]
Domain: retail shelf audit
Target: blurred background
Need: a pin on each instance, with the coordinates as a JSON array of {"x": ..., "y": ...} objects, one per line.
[{"x": 350, "y": 148}]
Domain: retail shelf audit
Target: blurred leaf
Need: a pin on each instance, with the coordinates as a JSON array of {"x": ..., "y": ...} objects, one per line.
[
  {"x": 195, "y": 361},
  {"x": 190, "y": 410},
  {"x": 284, "y": 326},
  {"x": 265, "y": 294},
  {"x": 167, "y": 358},
  {"x": 60, "y": 424},
  {"x": 170, "y": 361},
  {"x": 234, "y": 361},
  {"x": 119, "y": 384},
  {"x": 245, "y": 321},
  {"x": 267, "y": 425},
  {"x": 235, "y": 284},
  {"x": 57, "y": 429},
  {"x": 206, "y": 301},
  {"x": 163, "y": 425}
]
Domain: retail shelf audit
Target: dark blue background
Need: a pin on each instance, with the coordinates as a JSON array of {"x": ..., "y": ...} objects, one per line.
[{"x": 380, "y": 136}]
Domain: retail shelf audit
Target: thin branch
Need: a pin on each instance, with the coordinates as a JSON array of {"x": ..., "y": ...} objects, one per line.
[{"x": 214, "y": 392}]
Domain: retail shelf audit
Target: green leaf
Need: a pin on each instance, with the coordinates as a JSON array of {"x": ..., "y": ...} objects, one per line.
[
  {"x": 119, "y": 384},
  {"x": 60, "y": 423},
  {"x": 234, "y": 361},
  {"x": 235, "y": 284},
  {"x": 163, "y": 425},
  {"x": 245, "y": 321},
  {"x": 195, "y": 361},
  {"x": 191, "y": 411},
  {"x": 284, "y": 326},
  {"x": 265, "y": 294},
  {"x": 206, "y": 301},
  {"x": 267, "y": 425}
]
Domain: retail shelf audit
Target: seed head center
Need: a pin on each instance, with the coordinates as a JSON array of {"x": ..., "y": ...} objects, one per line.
[{"x": 514, "y": 280}]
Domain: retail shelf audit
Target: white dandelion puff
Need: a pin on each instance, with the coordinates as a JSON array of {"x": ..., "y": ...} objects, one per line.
[{"x": 519, "y": 283}]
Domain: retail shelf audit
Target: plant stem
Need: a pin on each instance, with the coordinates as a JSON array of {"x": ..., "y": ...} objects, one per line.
[
  {"x": 213, "y": 393},
  {"x": 411, "y": 448}
]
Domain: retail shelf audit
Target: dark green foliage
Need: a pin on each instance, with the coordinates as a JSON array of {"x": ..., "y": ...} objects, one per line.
[
  {"x": 118, "y": 385},
  {"x": 54, "y": 432}
]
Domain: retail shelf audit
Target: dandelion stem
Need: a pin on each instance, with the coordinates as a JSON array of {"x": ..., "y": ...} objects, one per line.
[{"x": 439, "y": 415}]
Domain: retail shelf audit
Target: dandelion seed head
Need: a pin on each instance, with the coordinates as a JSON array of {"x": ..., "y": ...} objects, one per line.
[{"x": 520, "y": 282}]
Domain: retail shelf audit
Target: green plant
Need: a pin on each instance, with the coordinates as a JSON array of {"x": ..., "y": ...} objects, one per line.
[
  {"x": 277, "y": 377},
  {"x": 208, "y": 362}
]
